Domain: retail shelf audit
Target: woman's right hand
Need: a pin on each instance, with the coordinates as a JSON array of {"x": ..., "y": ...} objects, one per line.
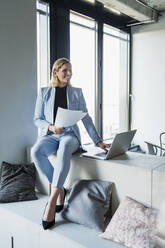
[{"x": 56, "y": 130}]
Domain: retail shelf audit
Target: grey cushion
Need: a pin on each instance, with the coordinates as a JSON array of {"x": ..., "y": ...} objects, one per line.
[
  {"x": 88, "y": 203},
  {"x": 17, "y": 182}
]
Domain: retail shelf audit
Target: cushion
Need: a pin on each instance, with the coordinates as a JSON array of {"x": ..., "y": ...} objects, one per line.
[
  {"x": 131, "y": 225},
  {"x": 17, "y": 182},
  {"x": 88, "y": 203}
]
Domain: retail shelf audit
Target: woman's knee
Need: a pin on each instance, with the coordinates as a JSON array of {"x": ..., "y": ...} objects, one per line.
[{"x": 35, "y": 152}]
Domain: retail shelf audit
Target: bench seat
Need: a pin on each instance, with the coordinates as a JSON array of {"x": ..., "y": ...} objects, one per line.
[
  {"x": 138, "y": 176},
  {"x": 23, "y": 226}
]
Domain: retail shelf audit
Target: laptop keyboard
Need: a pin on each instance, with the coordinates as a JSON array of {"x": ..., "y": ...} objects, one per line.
[{"x": 101, "y": 154}]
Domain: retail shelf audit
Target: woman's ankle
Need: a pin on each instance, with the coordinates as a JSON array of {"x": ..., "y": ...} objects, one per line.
[{"x": 54, "y": 194}]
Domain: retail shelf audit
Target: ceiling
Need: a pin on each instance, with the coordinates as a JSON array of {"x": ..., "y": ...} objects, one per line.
[
  {"x": 156, "y": 4},
  {"x": 141, "y": 11}
]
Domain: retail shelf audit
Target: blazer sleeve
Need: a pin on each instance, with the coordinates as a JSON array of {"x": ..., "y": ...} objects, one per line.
[
  {"x": 39, "y": 117},
  {"x": 87, "y": 120}
]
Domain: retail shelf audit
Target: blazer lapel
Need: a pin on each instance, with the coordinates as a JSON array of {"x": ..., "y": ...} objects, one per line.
[{"x": 71, "y": 99}]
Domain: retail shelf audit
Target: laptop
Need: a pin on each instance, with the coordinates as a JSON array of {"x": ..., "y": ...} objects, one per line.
[{"x": 119, "y": 146}]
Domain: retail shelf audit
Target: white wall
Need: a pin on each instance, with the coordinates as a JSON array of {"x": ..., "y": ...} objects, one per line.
[
  {"x": 148, "y": 81},
  {"x": 18, "y": 78}
]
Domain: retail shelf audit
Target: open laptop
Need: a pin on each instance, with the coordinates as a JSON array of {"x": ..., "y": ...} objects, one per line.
[{"x": 120, "y": 145}]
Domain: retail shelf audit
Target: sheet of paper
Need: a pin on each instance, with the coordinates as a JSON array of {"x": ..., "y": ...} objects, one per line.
[
  {"x": 92, "y": 149},
  {"x": 66, "y": 117}
]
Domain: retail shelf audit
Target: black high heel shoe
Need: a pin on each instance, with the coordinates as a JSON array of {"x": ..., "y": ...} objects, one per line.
[
  {"x": 59, "y": 208},
  {"x": 47, "y": 224}
]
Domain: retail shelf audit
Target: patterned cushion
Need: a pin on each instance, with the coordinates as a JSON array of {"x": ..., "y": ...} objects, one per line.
[
  {"x": 131, "y": 225},
  {"x": 17, "y": 182},
  {"x": 88, "y": 203}
]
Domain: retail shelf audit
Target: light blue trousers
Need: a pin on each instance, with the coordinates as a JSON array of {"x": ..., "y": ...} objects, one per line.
[{"x": 63, "y": 145}]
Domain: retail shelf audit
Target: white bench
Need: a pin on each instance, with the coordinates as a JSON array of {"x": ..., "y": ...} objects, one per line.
[{"x": 136, "y": 175}]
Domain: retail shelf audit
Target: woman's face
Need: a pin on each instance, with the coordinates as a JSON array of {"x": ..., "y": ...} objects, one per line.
[{"x": 64, "y": 74}]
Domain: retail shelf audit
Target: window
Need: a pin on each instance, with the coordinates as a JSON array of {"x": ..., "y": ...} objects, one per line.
[
  {"x": 99, "y": 54},
  {"x": 82, "y": 56},
  {"x": 114, "y": 84},
  {"x": 115, "y": 81},
  {"x": 43, "y": 48}
]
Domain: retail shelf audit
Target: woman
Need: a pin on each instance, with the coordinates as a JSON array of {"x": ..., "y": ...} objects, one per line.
[{"x": 63, "y": 141}]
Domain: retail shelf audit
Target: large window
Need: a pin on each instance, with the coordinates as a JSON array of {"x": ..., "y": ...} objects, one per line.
[
  {"x": 82, "y": 55},
  {"x": 99, "y": 55},
  {"x": 115, "y": 81},
  {"x": 43, "y": 48}
]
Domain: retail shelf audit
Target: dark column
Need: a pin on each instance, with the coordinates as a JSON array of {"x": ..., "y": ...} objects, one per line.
[{"x": 59, "y": 31}]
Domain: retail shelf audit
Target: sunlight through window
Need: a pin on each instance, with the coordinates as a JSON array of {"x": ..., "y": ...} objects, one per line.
[
  {"x": 82, "y": 55},
  {"x": 115, "y": 81}
]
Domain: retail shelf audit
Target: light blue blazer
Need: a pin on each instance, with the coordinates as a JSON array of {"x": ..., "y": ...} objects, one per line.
[{"x": 44, "y": 111}]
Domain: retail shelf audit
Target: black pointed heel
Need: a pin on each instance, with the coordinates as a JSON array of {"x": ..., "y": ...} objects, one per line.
[
  {"x": 59, "y": 208},
  {"x": 47, "y": 224}
]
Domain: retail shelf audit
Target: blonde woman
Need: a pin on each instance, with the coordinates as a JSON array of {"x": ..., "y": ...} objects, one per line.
[{"x": 63, "y": 141}]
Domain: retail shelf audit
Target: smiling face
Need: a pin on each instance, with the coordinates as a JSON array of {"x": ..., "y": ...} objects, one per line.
[{"x": 63, "y": 74}]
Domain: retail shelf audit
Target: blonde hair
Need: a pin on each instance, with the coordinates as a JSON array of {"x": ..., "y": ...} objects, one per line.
[{"x": 54, "y": 81}]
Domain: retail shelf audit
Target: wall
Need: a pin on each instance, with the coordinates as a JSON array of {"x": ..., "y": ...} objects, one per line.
[
  {"x": 18, "y": 80},
  {"x": 148, "y": 81}
]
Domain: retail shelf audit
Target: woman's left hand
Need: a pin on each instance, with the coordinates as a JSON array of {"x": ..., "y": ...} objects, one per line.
[{"x": 103, "y": 146}]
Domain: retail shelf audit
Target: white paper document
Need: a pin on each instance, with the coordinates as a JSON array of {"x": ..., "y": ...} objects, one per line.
[
  {"x": 92, "y": 149},
  {"x": 66, "y": 117}
]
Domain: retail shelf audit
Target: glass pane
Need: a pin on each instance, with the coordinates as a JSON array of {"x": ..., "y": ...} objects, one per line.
[
  {"x": 82, "y": 20},
  {"x": 42, "y": 6},
  {"x": 43, "y": 45},
  {"x": 116, "y": 32},
  {"x": 115, "y": 85},
  {"x": 82, "y": 55}
]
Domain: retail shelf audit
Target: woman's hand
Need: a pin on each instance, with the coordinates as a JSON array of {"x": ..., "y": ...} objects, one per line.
[
  {"x": 103, "y": 146},
  {"x": 56, "y": 130}
]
